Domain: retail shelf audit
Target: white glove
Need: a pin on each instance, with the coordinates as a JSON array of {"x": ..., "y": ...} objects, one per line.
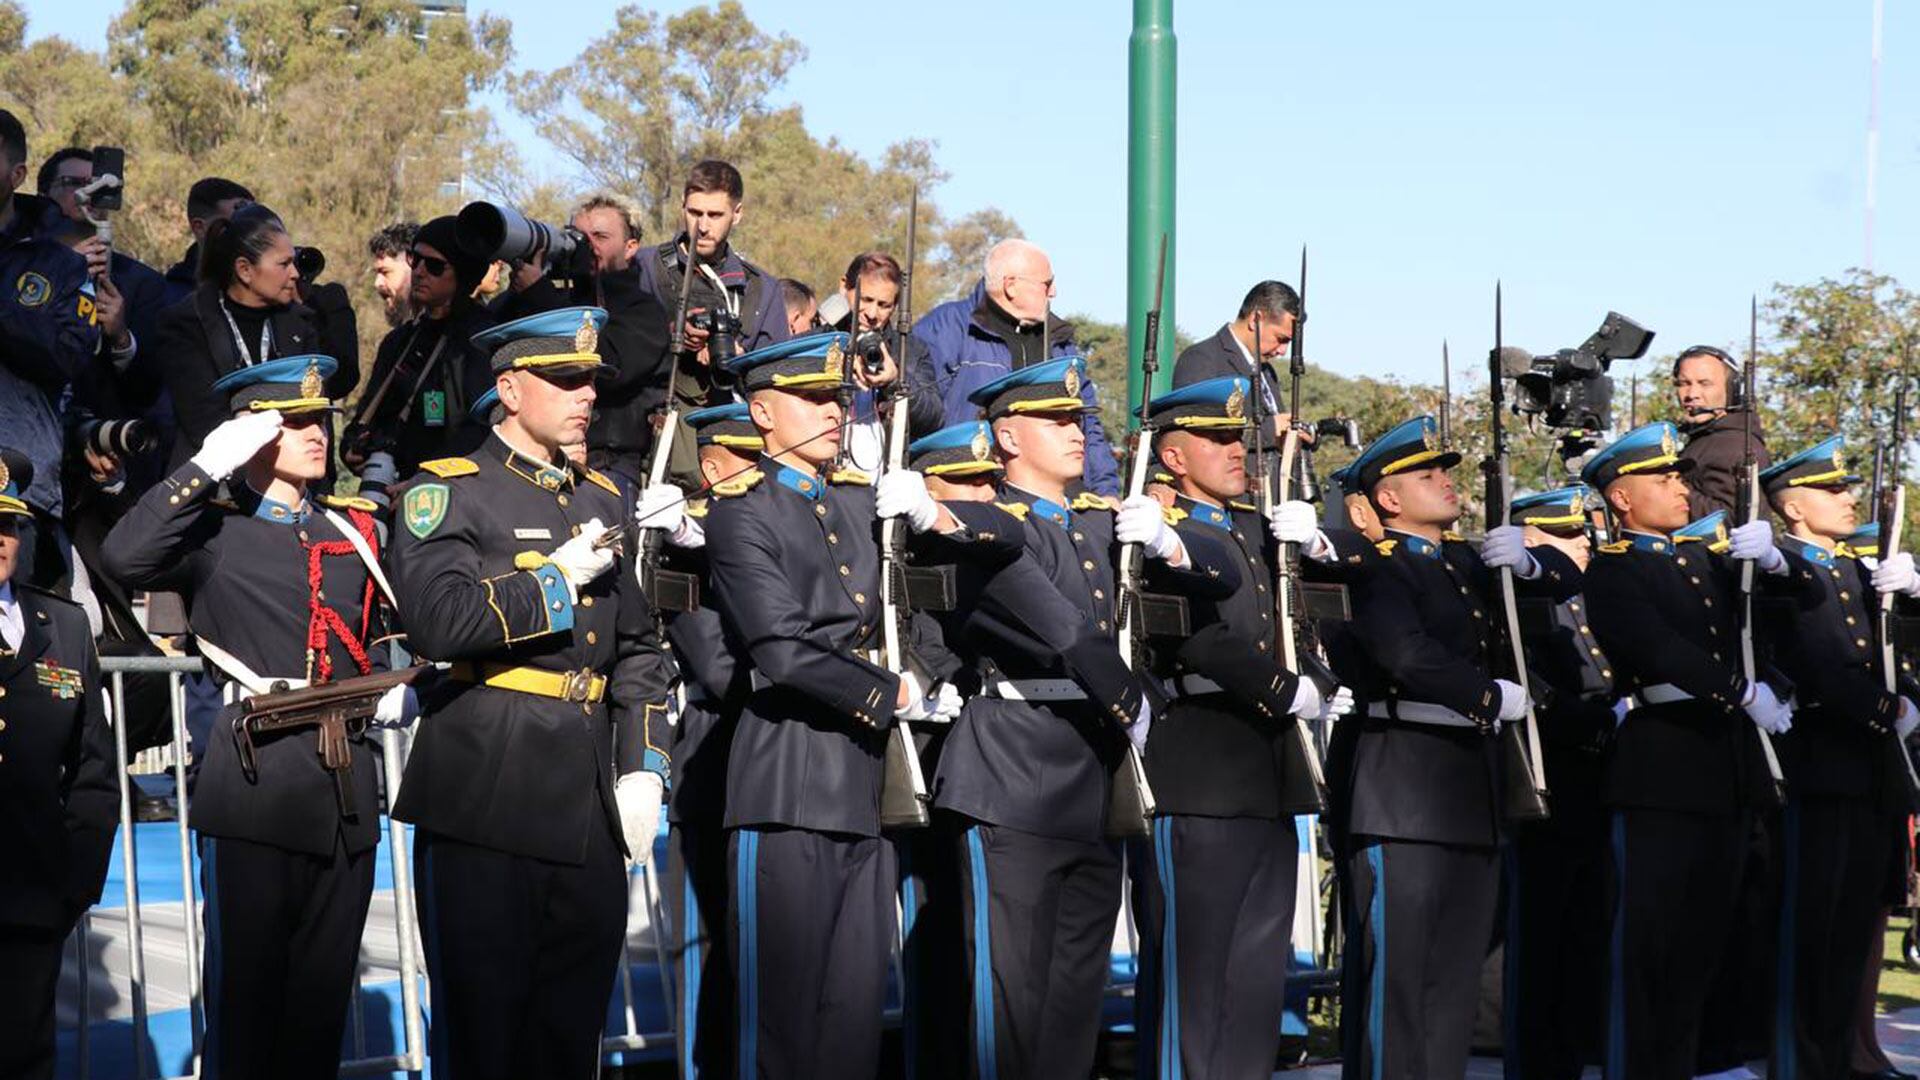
[
  {"x": 397, "y": 708},
  {"x": 1505, "y": 548},
  {"x": 919, "y": 706},
  {"x": 1513, "y": 701},
  {"x": 663, "y": 506},
  {"x": 1141, "y": 726},
  {"x": 235, "y": 441},
  {"x": 578, "y": 560},
  {"x": 1908, "y": 719},
  {"x": 1338, "y": 704},
  {"x": 1307, "y": 702},
  {"x": 903, "y": 493},
  {"x": 638, "y": 795},
  {"x": 1895, "y": 574},
  {"x": 1768, "y": 712},
  {"x": 1620, "y": 710},
  {"x": 946, "y": 703},
  {"x": 1754, "y": 540},
  {"x": 1143, "y": 521}
]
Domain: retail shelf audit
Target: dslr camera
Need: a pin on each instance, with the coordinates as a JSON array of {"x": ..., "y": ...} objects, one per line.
[
  {"x": 502, "y": 234},
  {"x": 723, "y": 332},
  {"x": 119, "y": 438}
]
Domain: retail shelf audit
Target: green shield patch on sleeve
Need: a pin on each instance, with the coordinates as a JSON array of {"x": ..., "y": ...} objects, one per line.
[{"x": 425, "y": 508}]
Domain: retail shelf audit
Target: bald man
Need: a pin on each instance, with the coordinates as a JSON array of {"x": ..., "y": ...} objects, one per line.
[{"x": 1005, "y": 324}]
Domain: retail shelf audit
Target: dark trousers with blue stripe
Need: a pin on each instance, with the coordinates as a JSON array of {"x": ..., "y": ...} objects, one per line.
[
  {"x": 522, "y": 953},
  {"x": 1039, "y": 915},
  {"x": 1213, "y": 903},
  {"x": 29, "y": 975},
  {"x": 1675, "y": 878},
  {"x": 705, "y": 1037},
  {"x": 1419, "y": 928},
  {"x": 812, "y": 919},
  {"x": 1554, "y": 999},
  {"x": 282, "y": 949},
  {"x": 1737, "y": 1025},
  {"x": 935, "y": 1042},
  {"x": 1835, "y": 868}
]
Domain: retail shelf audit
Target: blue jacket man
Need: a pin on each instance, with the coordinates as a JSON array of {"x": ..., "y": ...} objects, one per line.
[{"x": 972, "y": 342}]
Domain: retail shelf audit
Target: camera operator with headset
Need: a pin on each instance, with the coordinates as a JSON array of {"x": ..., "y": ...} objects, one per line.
[
  {"x": 427, "y": 373},
  {"x": 1707, "y": 386}
]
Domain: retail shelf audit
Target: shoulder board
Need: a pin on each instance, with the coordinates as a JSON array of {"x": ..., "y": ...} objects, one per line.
[
  {"x": 849, "y": 476},
  {"x": 1450, "y": 535},
  {"x": 343, "y": 502},
  {"x": 1174, "y": 515},
  {"x": 1248, "y": 507},
  {"x": 739, "y": 485},
  {"x": 1678, "y": 540},
  {"x": 1618, "y": 547},
  {"x": 600, "y": 479},
  {"x": 696, "y": 508},
  {"x": 1017, "y": 509},
  {"x": 1385, "y": 547},
  {"x": 46, "y": 594},
  {"x": 1162, "y": 477},
  {"x": 1087, "y": 500},
  {"x": 448, "y": 467}
]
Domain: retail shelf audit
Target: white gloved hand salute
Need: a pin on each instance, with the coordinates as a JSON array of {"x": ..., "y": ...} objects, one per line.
[
  {"x": 1754, "y": 540},
  {"x": 903, "y": 493},
  {"x": 235, "y": 441},
  {"x": 1143, "y": 521},
  {"x": 663, "y": 506},
  {"x": 1505, "y": 548},
  {"x": 638, "y": 797},
  {"x": 1295, "y": 522},
  {"x": 579, "y": 561}
]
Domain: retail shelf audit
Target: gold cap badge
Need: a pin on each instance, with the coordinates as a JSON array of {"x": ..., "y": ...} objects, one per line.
[
  {"x": 311, "y": 385},
  {"x": 1666, "y": 440},
  {"x": 1072, "y": 381},
  {"x": 980, "y": 447},
  {"x": 587, "y": 338},
  {"x": 836, "y": 361},
  {"x": 1236, "y": 403},
  {"x": 6, "y": 478}
]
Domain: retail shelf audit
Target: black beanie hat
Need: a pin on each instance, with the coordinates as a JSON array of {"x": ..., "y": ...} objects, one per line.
[{"x": 443, "y": 234}]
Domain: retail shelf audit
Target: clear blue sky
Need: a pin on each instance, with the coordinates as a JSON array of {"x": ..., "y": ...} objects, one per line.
[{"x": 1663, "y": 159}]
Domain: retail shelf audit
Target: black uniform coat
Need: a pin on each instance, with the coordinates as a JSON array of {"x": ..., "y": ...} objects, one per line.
[
  {"x": 716, "y": 686},
  {"x": 1842, "y": 744},
  {"x": 193, "y": 346},
  {"x": 796, "y": 573},
  {"x": 243, "y": 571},
  {"x": 1422, "y": 632},
  {"x": 1573, "y": 690},
  {"x": 1047, "y": 768},
  {"x": 1670, "y": 614},
  {"x": 512, "y": 771},
  {"x": 460, "y": 372},
  {"x": 1222, "y": 754},
  {"x": 58, "y": 800}
]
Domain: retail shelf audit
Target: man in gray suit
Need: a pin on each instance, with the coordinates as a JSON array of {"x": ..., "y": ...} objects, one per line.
[{"x": 1231, "y": 351}]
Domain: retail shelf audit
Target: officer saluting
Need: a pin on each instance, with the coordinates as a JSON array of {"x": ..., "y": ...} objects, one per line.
[
  {"x": 1425, "y": 808},
  {"x": 1845, "y": 781},
  {"x": 557, "y": 688},
  {"x": 1556, "y": 940},
  {"x": 1214, "y": 893},
  {"x": 56, "y": 787},
  {"x": 1683, "y": 773},
  {"x": 281, "y": 587},
  {"x": 1029, "y": 767}
]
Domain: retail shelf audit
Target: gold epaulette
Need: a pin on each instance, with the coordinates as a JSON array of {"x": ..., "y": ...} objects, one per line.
[
  {"x": 1453, "y": 536},
  {"x": 1618, "y": 547},
  {"x": 1017, "y": 509},
  {"x": 696, "y": 508},
  {"x": 739, "y": 485},
  {"x": 1174, "y": 515},
  {"x": 1249, "y": 507},
  {"x": 1087, "y": 500},
  {"x": 343, "y": 502},
  {"x": 1160, "y": 476},
  {"x": 530, "y": 560},
  {"x": 447, "y": 468},
  {"x": 1385, "y": 547},
  {"x": 1678, "y": 540},
  {"x": 849, "y": 476},
  {"x": 599, "y": 479}
]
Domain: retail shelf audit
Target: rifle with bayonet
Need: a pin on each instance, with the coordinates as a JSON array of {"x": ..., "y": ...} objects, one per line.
[
  {"x": 1524, "y": 771},
  {"x": 1893, "y": 521},
  {"x": 1301, "y": 758},
  {"x": 1747, "y": 509},
  {"x": 1130, "y": 810},
  {"x": 336, "y": 710},
  {"x": 903, "y": 791}
]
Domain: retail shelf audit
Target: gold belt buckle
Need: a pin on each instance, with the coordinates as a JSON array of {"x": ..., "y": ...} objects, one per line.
[{"x": 579, "y": 686}]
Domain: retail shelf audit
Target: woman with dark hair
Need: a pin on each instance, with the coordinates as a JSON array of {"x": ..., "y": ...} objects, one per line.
[{"x": 243, "y": 312}]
